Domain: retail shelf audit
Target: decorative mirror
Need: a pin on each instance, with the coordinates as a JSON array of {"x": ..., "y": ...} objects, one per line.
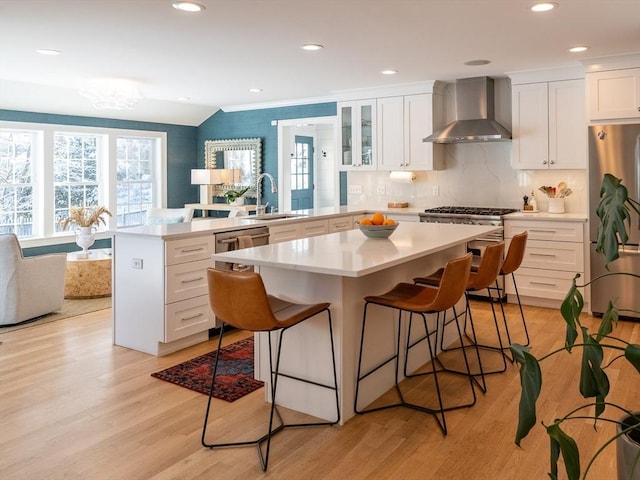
[{"x": 244, "y": 154}]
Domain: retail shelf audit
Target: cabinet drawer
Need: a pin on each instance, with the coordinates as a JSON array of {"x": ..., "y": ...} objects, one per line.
[
  {"x": 541, "y": 283},
  {"x": 340, "y": 224},
  {"x": 565, "y": 256},
  {"x": 186, "y": 280},
  {"x": 282, "y": 233},
  {"x": 546, "y": 230},
  {"x": 189, "y": 250},
  {"x": 311, "y": 229},
  {"x": 187, "y": 318}
]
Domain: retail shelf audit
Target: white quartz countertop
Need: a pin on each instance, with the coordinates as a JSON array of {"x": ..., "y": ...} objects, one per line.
[
  {"x": 559, "y": 217},
  {"x": 352, "y": 254},
  {"x": 218, "y": 225}
]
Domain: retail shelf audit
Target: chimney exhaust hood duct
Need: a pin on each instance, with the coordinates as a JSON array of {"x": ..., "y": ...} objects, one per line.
[{"x": 475, "y": 113}]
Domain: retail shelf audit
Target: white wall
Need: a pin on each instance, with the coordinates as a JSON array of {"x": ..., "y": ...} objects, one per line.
[{"x": 476, "y": 174}]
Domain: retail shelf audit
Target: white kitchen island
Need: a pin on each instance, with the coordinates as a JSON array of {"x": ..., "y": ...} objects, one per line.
[{"x": 343, "y": 268}]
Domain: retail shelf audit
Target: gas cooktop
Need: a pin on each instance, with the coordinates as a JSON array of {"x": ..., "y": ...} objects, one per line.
[{"x": 489, "y": 211}]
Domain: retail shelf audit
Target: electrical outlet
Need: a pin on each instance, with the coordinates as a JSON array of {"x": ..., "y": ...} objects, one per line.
[
  {"x": 380, "y": 190},
  {"x": 136, "y": 263},
  {"x": 355, "y": 189},
  {"x": 436, "y": 190}
]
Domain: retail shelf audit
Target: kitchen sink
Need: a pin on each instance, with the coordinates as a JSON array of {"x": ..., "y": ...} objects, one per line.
[{"x": 274, "y": 216}]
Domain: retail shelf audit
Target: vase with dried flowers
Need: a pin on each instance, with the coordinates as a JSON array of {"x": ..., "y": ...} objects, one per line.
[{"x": 87, "y": 220}]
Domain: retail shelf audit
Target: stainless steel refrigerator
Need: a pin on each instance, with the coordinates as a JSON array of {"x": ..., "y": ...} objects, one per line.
[{"x": 615, "y": 149}]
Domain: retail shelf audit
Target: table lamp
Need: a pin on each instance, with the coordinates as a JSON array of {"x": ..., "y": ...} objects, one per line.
[{"x": 205, "y": 177}]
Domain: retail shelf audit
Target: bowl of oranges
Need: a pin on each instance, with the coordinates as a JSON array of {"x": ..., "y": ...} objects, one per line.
[{"x": 377, "y": 226}]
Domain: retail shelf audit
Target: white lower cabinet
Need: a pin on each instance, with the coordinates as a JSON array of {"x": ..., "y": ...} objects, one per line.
[
  {"x": 313, "y": 228},
  {"x": 161, "y": 301},
  {"x": 554, "y": 254},
  {"x": 309, "y": 228},
  {"x": 341, "y": 224}
]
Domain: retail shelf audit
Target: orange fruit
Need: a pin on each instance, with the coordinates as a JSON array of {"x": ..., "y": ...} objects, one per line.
[
  {"x": 377, "y": 219},
  {"x": 389, "y": 221},
  {"x": 365, "y": 221}
]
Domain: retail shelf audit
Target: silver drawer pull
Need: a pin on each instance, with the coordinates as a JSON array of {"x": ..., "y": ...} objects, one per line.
[
  {"x": 193, "y": 317},
  {"x": 192, "y": 280},
  {"x": 190, "y": 250},
  {"x": 543, "y": 283},
  {"x": 542, "y": 254},
  {"x": 542, "y": 231}
]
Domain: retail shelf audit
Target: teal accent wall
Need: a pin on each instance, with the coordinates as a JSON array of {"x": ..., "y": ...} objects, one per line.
[{"x": 257, "y": 123}]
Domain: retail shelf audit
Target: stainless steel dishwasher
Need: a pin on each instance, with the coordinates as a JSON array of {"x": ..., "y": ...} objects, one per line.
[{"x": 228, "y": 241}]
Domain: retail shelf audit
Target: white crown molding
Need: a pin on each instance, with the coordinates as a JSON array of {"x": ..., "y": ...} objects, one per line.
[
  {"x": 277, "y": 104},
  {"x": 612, "y": 62},
  {"x": 546, "y": 75}
]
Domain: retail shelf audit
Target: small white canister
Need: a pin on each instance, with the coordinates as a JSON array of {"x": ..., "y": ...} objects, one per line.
[{"x": 556, "y": 205}]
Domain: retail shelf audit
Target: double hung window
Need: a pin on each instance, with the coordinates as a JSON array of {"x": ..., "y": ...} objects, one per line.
[{"x": 47, "y": 169}]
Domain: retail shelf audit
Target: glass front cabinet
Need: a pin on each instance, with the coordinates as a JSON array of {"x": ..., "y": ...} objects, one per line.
[{"x": 357, "y": 135}]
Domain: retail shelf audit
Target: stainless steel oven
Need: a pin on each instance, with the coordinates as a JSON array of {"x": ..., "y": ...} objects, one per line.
[{"x": 472, "y": 216}]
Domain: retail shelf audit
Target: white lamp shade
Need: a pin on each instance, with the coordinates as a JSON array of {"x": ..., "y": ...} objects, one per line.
[
  {"x": 231, "y": 176},
  {"x": 206, "y": 176}
]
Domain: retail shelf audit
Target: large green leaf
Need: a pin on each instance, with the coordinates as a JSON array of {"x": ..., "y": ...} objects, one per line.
[
  {"x": 564, "y": 444},
  {"x": 531, "y": 384},
  {"x": 594, "y": 382},
  {"x": 613, "y": 211},
  {"x": 570, "y": 309},
  {"x": 632, "y": 353},
  {"x": 609, "y": 320}
]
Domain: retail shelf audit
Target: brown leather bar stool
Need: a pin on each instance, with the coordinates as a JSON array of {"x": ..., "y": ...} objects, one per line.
[
  {"x": 419, "y": 300},
  {"x": 482, "y": 277},
  {"x": 512, "y": 262},
  {"x": 240, "y": 299}
]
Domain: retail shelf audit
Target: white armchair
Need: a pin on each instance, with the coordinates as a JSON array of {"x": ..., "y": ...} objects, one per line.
[
  {"x": 168, "y": 215},
  {"x": 29, "y": 286}
]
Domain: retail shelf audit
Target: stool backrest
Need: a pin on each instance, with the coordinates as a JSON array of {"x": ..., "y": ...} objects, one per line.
[
  {"x": 240, "y": 299},
  {"x": 453, "y": 283},
  {"x": 489, "y": 268},
  {"x": 515, "y": 254}
]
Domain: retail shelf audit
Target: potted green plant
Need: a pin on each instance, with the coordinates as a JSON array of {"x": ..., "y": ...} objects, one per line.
[
  {"x": 234, "y": 197},
  {"x": 614, "y": 211}
]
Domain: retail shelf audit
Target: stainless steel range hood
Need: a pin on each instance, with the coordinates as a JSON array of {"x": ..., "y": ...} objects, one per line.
[{"x": 475, "y": 115}]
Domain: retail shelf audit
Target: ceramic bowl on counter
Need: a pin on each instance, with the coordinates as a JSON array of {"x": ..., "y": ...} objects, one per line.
[{"x": 377, "y": 231}]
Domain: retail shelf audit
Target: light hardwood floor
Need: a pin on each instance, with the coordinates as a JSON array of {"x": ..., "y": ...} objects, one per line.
[{"x": 73, "y": 406}]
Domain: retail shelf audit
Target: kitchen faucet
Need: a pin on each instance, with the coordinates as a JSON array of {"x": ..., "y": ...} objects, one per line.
[{"x": 262, "y": 209}]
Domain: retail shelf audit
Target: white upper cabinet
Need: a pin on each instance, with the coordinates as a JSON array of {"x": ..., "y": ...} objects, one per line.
[
  {"x": 549, "y": 125},
  {"x": 614, "y": 94},
  {"x": 403, "y": 122},
  {"x": 357, "y": 121}
]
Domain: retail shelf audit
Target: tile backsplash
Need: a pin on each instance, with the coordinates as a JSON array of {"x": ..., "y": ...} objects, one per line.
[{"x": 476, "y": 174}]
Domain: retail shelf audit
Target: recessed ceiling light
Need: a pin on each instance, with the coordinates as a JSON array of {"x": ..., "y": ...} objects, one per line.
[
  {"x": 48, "y": 51},
  {"x": 255, "y": 90},
  {"x": 544, "y": 6},
  {"x": 389, "y": 72},
  {"x": 582, "y": 48},
  {"x": 188, "y": 6},
  {"x": 475, "y": 63},
  {"x": 312, "y": 46}
]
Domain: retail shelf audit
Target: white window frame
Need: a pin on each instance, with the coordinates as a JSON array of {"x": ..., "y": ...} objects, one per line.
[{"x": 43, "y": 225}]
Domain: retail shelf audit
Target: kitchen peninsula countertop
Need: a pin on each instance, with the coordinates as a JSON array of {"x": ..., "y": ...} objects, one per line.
[{"x": 218, "y": 225}]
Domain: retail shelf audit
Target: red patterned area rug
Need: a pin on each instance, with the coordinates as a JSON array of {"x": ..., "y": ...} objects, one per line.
[{"x": 233, "y": 380}]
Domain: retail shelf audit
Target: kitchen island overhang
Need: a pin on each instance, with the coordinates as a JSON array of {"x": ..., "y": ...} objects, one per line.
[{"x": 342, "y": 268}]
